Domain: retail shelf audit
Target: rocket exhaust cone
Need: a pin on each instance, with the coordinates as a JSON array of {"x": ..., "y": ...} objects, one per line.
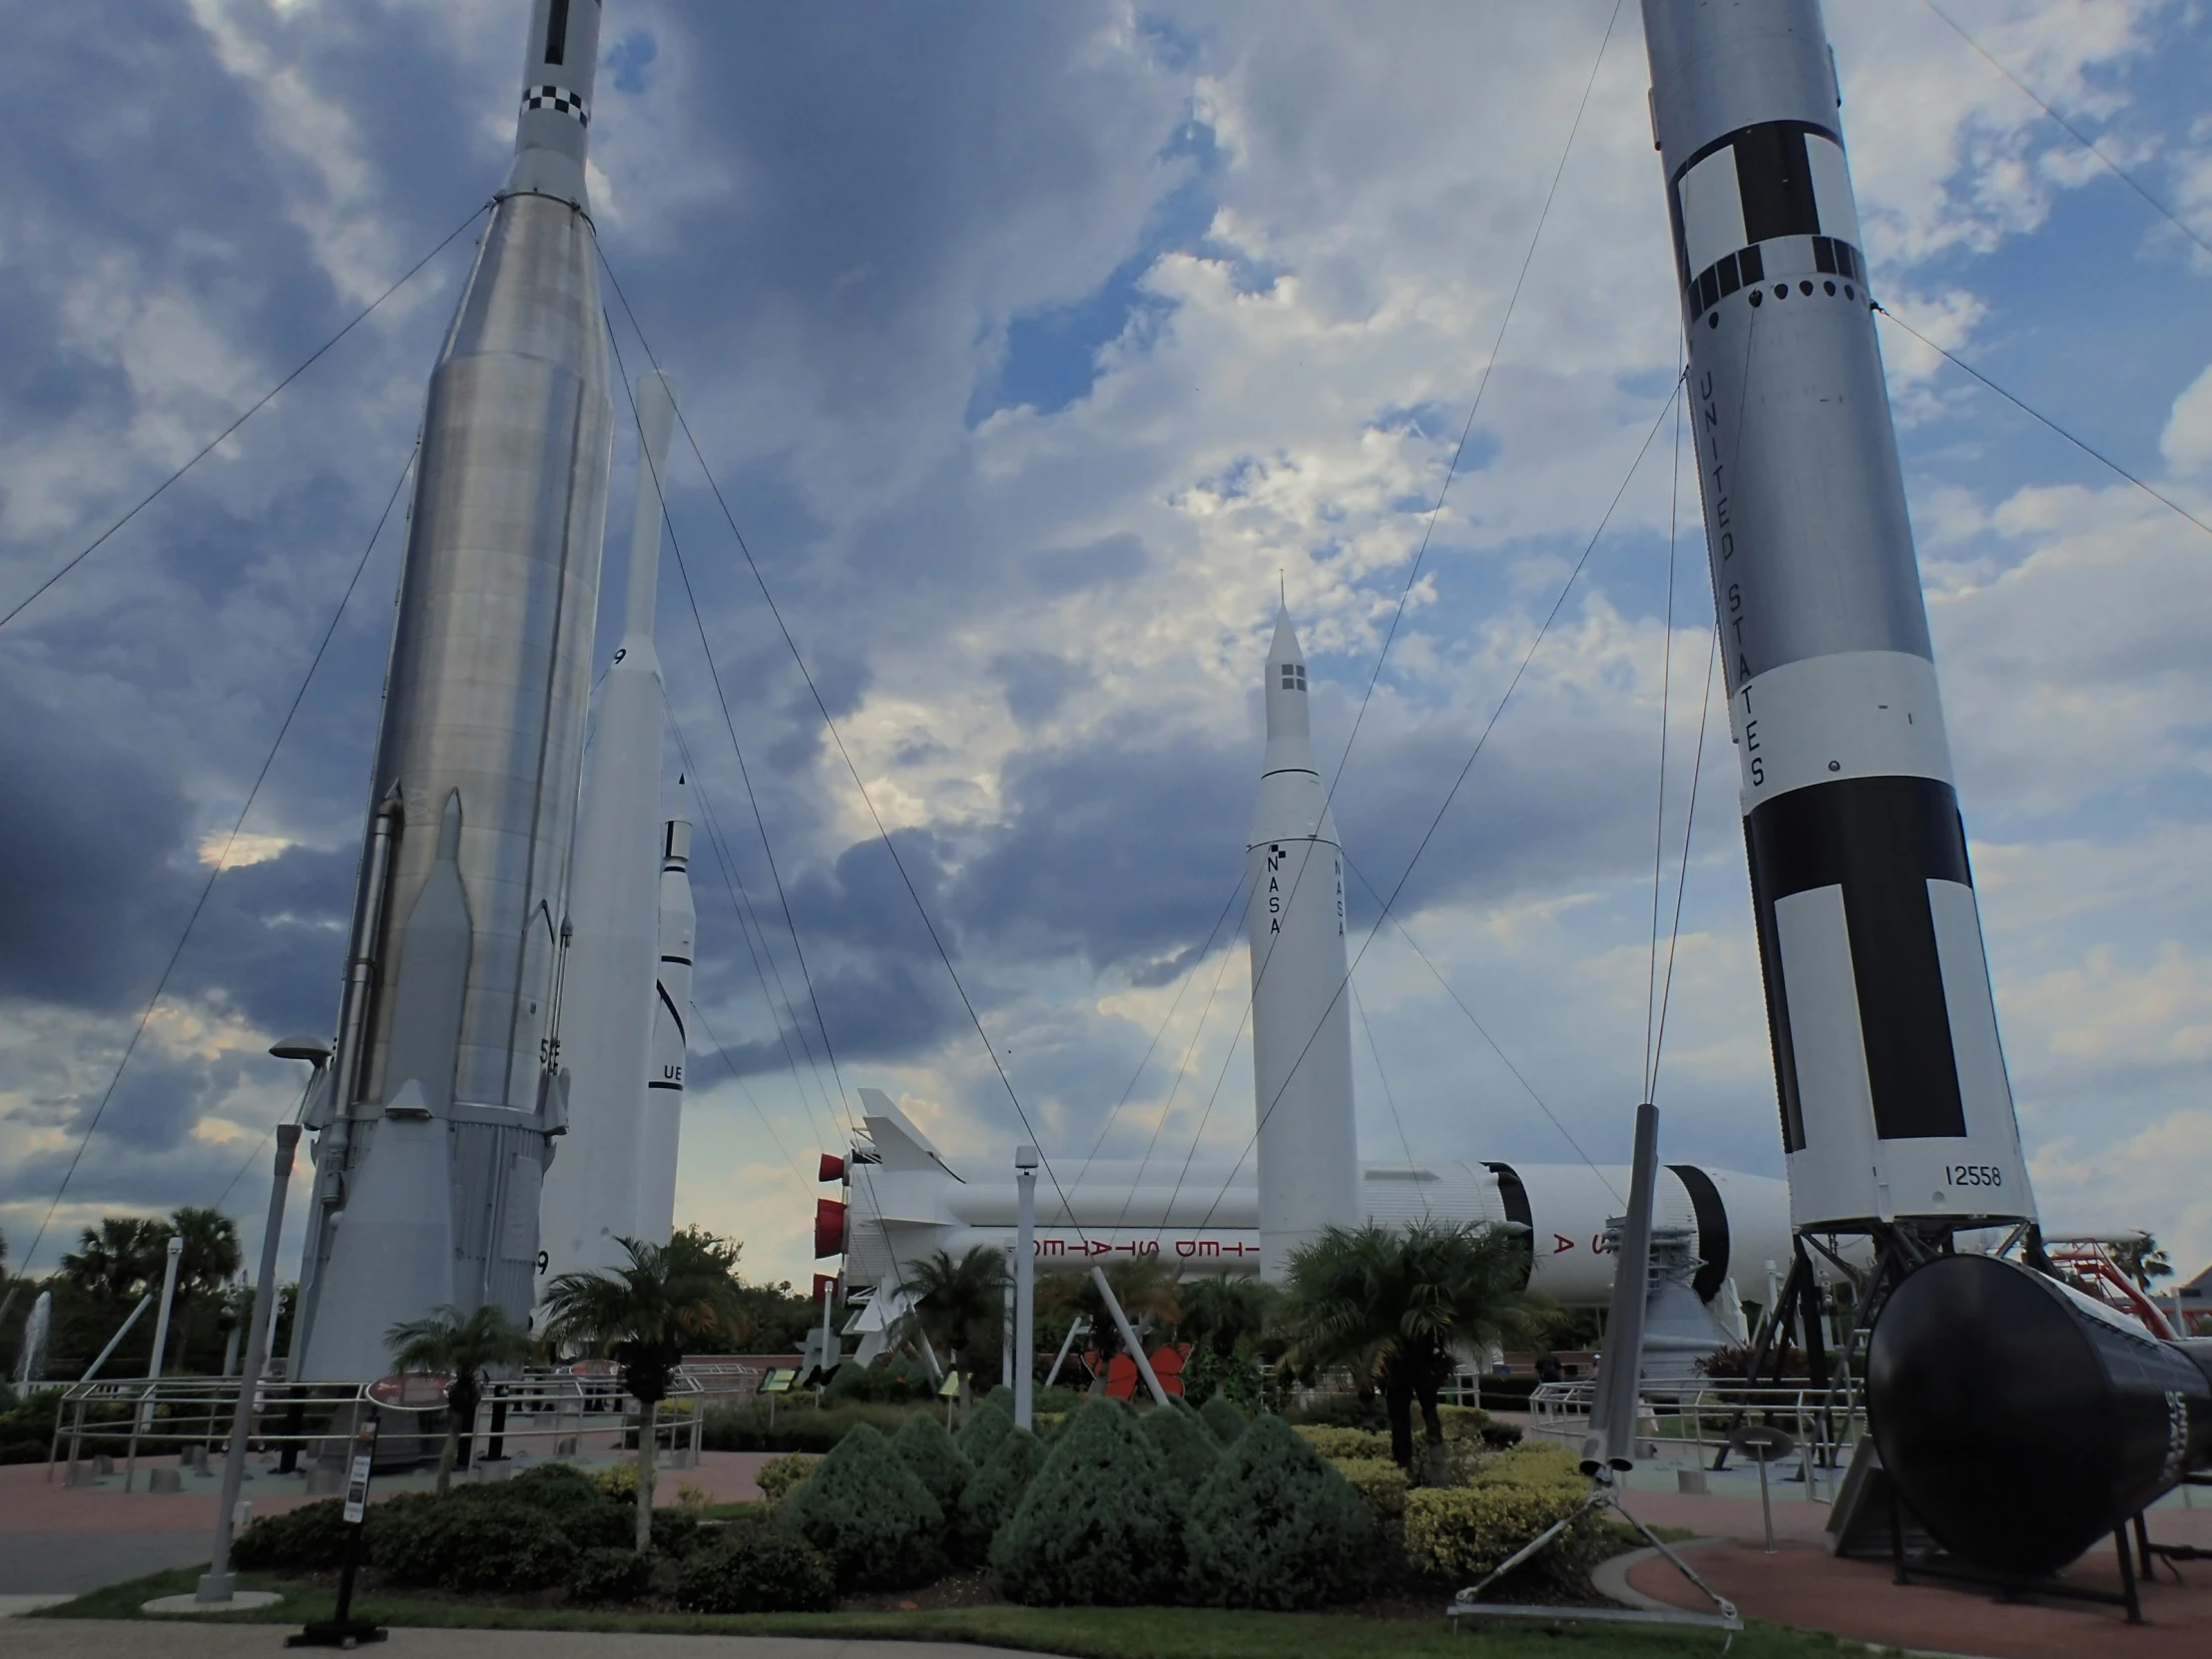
[{"x": 2022, "y": 1421}]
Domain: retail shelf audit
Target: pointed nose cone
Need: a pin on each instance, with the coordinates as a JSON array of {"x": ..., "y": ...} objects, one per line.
[
  {"x": 559, "y": 61},
  {"x": 1289, "y": 728}
]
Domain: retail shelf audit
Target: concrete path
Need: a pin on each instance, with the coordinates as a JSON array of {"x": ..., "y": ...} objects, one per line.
[{"x": 177, "y": 1639}]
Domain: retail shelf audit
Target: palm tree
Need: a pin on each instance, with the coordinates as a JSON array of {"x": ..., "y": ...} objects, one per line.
[
  {"x": 1145, "y": 1286},
  {"x": 962, "y": 1305},
  {"x": 122, "y": 1257},
  {"x": 1403, "y": 1306},
  {"x": 647, "y": 1316},
  {"x": 1222, "y": 1311},
  {"x": 463, "y": 1348}
]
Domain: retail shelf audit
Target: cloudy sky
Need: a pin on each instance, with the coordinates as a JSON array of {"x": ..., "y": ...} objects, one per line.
[{"x": 1032, "y": 347}]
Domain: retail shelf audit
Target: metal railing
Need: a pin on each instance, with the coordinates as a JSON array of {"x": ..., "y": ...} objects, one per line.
[
  {"x": 556, "y": 1414},
  {"x": 1691, "y": 1422}
]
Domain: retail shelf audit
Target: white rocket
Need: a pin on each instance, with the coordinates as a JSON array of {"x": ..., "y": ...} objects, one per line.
[
  {"x": 1300, "y": 1005},
  {"x": 608, "y": 1002},
  {"x": 661, "y": 1127}
]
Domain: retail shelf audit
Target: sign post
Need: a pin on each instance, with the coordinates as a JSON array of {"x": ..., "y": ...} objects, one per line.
[{"x": 341, "y": 1629}]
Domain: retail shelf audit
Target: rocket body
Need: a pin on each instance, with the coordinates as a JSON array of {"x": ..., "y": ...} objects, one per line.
[
  {"x": 607, "y": 1003},
  {"x": 443, "y": 1104},
  {"x": 1308, "y": 1153},
  {"x": 1894, "y": 1095},
  {"x": 663, "y": 1122}
]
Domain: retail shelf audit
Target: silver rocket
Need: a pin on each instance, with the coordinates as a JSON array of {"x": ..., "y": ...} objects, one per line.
[
  {"x": 446, "y": 1090},
  {"x": 1894, "y": 1101},
  {"x": 1301, "y": 1000},
  {"x": 607, "y": 998}
]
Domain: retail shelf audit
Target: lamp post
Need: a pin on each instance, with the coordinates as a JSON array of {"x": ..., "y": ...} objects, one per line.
[
  {"x": 215, "y": 1582},
  {"x": 1025, "y": 1285}
]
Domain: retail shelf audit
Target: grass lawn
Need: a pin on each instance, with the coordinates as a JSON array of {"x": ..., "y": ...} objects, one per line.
[{"x": 1086, "y": 1632}]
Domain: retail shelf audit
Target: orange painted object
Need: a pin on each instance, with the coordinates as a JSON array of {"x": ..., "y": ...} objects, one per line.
[
  {"x": 1122, "y": 1382},
  {"x": 829, "y": 1227}
]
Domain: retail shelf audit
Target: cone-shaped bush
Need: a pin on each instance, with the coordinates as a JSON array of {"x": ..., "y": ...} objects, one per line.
[
  {"x": 995, "y": 1489},
  {"x": 1222, "y": 1418},
  {"x": 987, "y": 1426},
  {"x": 1275, "y": 1526},
  {"x": 1101, "y": 1524},
  {"x": 869, "y": 1514},
  {"x": 928, "y": 1450},
  {"x": 1185, "y": 1445}
]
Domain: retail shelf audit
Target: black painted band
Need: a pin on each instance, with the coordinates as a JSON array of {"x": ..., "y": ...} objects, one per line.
[
  {"x": 1517, "y": 1211},
  {"x": 1712, "y": 1229}
]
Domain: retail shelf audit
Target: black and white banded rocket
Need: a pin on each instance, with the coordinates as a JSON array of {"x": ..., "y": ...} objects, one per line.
[{"x": 1894, "y": 1101}]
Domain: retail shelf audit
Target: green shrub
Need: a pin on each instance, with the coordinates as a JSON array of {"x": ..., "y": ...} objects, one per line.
[
  {"x": 1100, "y": 1525},
  {"x": 500, "y": 1546},
  {"x": 402, "y": 1536},
  {"x": 783, "y": 1477},
  {"x": 1222, "y": 1418},
  {"x": 1464, "y": 1532},
  {"x": 987, "y": 1424},
  {"x": 604, "y": 1576},
  {"x": 1341, "y": 1412},
  {"x": 1346, "y": 1442},
  {"x": 1275, "y": 1526},
  {"x": 1382, "y": 1486},
  {"x": 762, "y": 1570},
  {"x": 995, "y": 1488},
  {"x": 889, "y": 1382},
  {"x": 1185, "y": 1445},
  {"x": 308, "y": 1540},
  {"x": 1057, "y": 1400},
  {"x": 568, "y": 1497},
  {"x": 673, "y": 1532},
  {"x": 869, "y": 1514},
  {"x": 1498, "y": 1435},
  {"x": 930, "y": 1454}
]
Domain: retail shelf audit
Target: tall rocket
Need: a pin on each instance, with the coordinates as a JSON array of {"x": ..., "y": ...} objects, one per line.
[
  {"x": 607, "y": 1011},
  {"x": 661, "y": 1128},
  {"x": 447, "y": 1092},
  {"x": 1894, "y": 1101},
  {"x": 1301, "y": 1004}
]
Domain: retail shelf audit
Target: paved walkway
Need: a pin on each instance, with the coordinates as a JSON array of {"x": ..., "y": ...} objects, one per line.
[
  {"x": 176, "y": 1639},
  {"x": 1803, "y": 1585}
]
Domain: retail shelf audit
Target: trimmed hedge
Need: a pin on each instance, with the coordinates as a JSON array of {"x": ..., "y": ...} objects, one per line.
[
  {"x": 930, "y": 1454},
  {"x": 797, "y": 1427},
  {"x": 764, "y": 1569},
  {"x": 308, "y": 1540},
  {"x": 890, "y": 1381},
  {"x": 1222, "y": 1418},
  {"x": 610, "y": 1575},
  {"x": 497, "y": 1546},
  {"x": 1185, "y": 1445},
  {"x": 869, "y": 1514},
  {"x": 1332, "y": 1441},
  {"x": 783, "y": 1477},
  {"x": 1276, "y": 1527},
  {"x": 1101, "y": 1524},
  {"x": 1464, "y": 1532},
  {"x": 996, "y": 1488}
]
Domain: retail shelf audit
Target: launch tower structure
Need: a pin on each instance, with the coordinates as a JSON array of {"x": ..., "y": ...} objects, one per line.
[{"x": 446, "y": 1090}]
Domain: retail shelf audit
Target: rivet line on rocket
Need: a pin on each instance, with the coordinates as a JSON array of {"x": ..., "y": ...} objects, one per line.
[
  {"x": 1458, "y": 783},
  {"x": 2118, "y": 172},
  {"x": 255, "y": 408},
  {"x": 222, "y": 860},
  {"x": 2029, "y": 410},
  {"x": 890, "y": 846}
]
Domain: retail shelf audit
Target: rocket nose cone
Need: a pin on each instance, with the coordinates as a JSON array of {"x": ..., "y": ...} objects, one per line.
[{"x": 1284, "y": 680}]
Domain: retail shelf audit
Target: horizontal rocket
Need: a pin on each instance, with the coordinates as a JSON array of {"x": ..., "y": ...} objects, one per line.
[{"x": 1894, "y": 1096}]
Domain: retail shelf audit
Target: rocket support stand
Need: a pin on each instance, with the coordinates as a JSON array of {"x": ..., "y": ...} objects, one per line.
[{"x": 1129, "y": 1337}]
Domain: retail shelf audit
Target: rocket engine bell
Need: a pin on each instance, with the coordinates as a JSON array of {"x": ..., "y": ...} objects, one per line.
[
  {"x": 1894, "y": 1101},
  {"x": 442, "y": 1077}
]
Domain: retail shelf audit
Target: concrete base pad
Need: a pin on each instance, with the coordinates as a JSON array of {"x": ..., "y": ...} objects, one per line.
[{"x": 240, "y": 1601}]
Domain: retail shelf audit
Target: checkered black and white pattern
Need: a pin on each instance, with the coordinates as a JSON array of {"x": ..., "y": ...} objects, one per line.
[{"x": 560, "y": 101}]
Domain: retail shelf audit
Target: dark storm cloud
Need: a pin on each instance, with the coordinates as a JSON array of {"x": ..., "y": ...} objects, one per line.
[{"x": 1036, "y": 683}]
